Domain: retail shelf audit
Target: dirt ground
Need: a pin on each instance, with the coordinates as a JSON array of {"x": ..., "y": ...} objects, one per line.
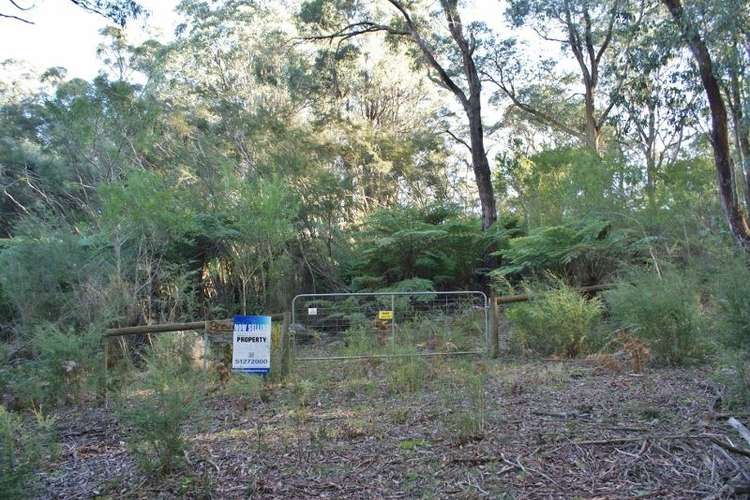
[{"x": 540, "y": 430}]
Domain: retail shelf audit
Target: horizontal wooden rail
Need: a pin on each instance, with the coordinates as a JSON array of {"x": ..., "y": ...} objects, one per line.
[
  {"x": 211, "y": 326},
  {"x": 508, "y": 299}
]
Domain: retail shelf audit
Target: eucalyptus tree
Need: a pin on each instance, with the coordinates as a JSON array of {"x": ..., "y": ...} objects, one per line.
[
  {"x": 726, "y": 26},
  {"x": 439, "y": 41},
  {"x": 655, "y": 114},
  {"x": 597, "y": 34},
  {"x": 736, "y": 215}
]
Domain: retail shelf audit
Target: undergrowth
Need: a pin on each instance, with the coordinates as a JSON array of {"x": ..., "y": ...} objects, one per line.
[
  {"x": 665, "y": 312},
  {"x": 158, "y": 408},
  {"x": 560, "y": 321}
]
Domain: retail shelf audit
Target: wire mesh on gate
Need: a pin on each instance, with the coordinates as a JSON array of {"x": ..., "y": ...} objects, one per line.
[{"x": 386, "y": 324}]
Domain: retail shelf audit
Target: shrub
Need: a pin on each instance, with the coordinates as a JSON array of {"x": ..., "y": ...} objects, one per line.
[
  {"x": 443, "y": 331},
  {"x": 40, "y": 269},
  {"x": 734, "y": 374},
  {"x": 244, "y": 386},
  {"x": 560, "y": 321},
  {"x": 23, "y": 448},
  {"x": 158, "y": 409},
  {"x": 65, "y": 367},
  {"x": 662, "y": 311},
  {"x": 584, "y": 252},
  {"x": 732, "y": 293}
]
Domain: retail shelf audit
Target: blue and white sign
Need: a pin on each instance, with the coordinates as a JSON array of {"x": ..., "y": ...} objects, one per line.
[{"x": 251, "y": 346}]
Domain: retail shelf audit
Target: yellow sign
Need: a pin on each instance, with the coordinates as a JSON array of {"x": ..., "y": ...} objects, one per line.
[{"x": 383, "y": 315}]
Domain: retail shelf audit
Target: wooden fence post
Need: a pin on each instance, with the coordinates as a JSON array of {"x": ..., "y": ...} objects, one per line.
[
  {"x": 105, "y": 342},
  {"x": 494, "y": 325},
  {"x": 502, "y": 326},
  {"x": 285, "y": 345}
]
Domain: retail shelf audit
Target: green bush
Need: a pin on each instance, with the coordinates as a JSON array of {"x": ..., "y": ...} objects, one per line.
[
  {"x": 65, "y": 367},
  {"x": 733, "y": 373},
  {"x": 404, "y": 248},
  {"x": 39, "y": 270},
  {"x": 560, "y": 321},
  {"x": 732, "y": 293},
  {"x": 157, "y": 409},
  {"x": 23, "y": 448},
  {"x": 664, "y": 312}
]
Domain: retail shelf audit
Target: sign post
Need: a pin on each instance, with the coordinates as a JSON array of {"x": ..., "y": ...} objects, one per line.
[{"x": 251, "y": 344}]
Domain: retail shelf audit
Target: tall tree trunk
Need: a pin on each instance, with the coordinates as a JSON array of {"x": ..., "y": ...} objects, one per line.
[
  {"x": 445, "y": 77},
  {"x": 741, "y": 130},
  {"x": 651, "y": 162},
  {"x": 473, "y": 108},
  {"x": 481, "y": 168},
  {"x": 651, "y": 181},
  {"x": 592, "y": 131},
  {"x": 730, "y": 203}
]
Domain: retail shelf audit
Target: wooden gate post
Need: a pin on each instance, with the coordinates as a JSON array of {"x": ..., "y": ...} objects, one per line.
[
  {"x": 494, "y": 326},
  {"x": 285, "y": 345},
  {"x": 503, "y": 331}
]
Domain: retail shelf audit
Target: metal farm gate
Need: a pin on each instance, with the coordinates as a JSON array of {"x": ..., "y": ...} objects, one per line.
[{"x": 327, "y": 326}]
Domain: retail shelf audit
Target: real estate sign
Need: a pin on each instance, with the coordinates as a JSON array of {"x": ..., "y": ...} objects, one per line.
[{"x": 251, "y": 346}]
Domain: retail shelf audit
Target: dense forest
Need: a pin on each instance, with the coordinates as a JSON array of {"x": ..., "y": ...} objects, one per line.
[{"x": 277, "y": 148}]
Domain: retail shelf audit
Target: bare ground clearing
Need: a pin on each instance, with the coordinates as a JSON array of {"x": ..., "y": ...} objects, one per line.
[{"x": 551, "y": 430}]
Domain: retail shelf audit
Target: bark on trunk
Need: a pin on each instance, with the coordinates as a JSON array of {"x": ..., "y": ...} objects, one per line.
[
  {"x": 481, "y": 168},
  {"x": 473, "y": 108},
  {"x": 592, "y": 131},
  {"x": 742, "y": 133},
  {"x": 651, "y": 181},
  {"x": 730, "y": 204}
]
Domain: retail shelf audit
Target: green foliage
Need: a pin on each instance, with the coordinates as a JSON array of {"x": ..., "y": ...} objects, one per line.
[
  {"x": 559, "y": 321},
  {"x": 417, "y": 249},
  {"x": 236, "y": 178},
  {"x": 556, "y": 185},
  {"x": 146, "y": 205},
  {"x": 7, "y": 311},
  {"x": 156, "y": 410},
  {"x": 407, "y": 374},
  {"x": 584, "y": 252},
  {"x": 65, "y": 367},
  {"x": 664, "y": 311},
  {"x": 463, "y": 394},
  {"x": 461, "y": 330},
  {"x": 733, "y": 372},
  {"x": 244, "y": 386},
  {"x": 40, "y": 268},
  {"x": 24, "y": 446},
  {"x": 360, "y": 340},
  {"x": 732, "y": 295}
]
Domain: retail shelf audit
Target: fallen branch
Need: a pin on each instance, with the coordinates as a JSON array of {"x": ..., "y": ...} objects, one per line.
[
  {"x": 560, "y": 415},
  {"x": 642, "y": 438},
  {"x": 734, "y": 449}
]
